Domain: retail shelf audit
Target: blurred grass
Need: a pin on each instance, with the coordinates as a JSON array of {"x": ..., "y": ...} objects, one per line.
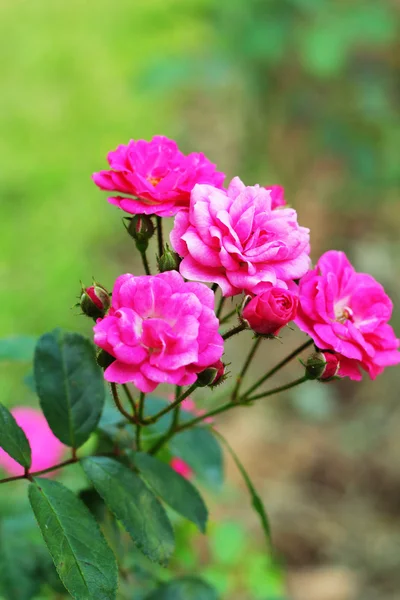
[{"x": 68, "y": 97}]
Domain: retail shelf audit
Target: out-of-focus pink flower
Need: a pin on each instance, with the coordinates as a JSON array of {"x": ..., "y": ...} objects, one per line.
[
  {"x": 235, "y": 239},
  {"x": 181, "y": 467},
  {"x": 348, "y": 312},
  {"x": 271, "y": 310},
  {"x": 189, "y": 405},
  {"x": 277, "y": 196},
  {"x": 160, "y": 329},
  {"x": 46, "y": 449},
  {"x": 157, "y": 174}
]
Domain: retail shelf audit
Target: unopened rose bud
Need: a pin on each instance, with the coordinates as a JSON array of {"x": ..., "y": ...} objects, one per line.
[
  {"x": 141, "y": 228},
  {"x": 168, "y": 261},
  {"x": 211, "y": 376},
  {"x": 95, "y": 301},
  {"x": 269, "y": 311},
  {"x": 322, "y": 365}
]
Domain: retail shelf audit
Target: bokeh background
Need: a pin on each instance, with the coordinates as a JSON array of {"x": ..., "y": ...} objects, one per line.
[{"x": 303, "y": 93}]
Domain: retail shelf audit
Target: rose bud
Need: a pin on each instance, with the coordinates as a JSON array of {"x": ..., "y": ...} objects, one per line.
[
  {"x": 168, "y": 261},
  {"x": 95, "y": 301},
  {"x": 211, "y": 376},
  {"x": 271, "y": 310},
  {"x": 322, "y": 365},
  {"x": 141, "y": 229}
]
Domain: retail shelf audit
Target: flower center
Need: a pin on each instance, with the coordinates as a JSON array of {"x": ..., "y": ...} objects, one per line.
[
  {"x": 344, "y": 314},
  {"x": 154, "y": 180}
]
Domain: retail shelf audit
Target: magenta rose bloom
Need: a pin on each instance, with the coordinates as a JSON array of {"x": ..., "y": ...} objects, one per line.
[
  {"x": 46, "y": 449},
  {"x": 160, "y": 329},
  {"x": 157, "y": 174},
  {"x": 271, "y": 310},
  {"x": 234, "y": 238},
  {"x": 348, "y": 312},
  {"x": 277, "y": 196}
]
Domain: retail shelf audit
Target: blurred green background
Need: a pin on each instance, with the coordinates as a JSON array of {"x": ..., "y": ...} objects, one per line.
[{"x": 303, "y": 93}]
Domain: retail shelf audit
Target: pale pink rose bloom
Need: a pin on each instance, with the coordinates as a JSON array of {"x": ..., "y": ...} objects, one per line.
[
  {"x": 235, "y": 239},
  {"x": 348, "y": 312},
  {"x": 46, "y": 449},
  {"x": 157, "y": 174},
  {"x": 181, "y": 467},
  {"x": 160, "y": 329}
]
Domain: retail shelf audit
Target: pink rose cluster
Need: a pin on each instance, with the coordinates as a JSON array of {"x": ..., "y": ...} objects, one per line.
[
  {"x": 348, "y": 313},
  {"x": 46, "y": 449},
  {"x": 160, "y": 329},
  {"x": 155, "y": 177},
  {"x": 243, "y": 239}
]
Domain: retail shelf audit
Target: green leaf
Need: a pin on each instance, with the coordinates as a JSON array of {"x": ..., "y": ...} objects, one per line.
[
  {"x": 255, "y": 498},
  {"x": 70, "y": 385},
  {"x": 199, "y": 448},
  {"x": 83, "y": 559},
  {"x": 13, "y": 439},
  {"x": 187, "y": 588},
  {"x": 174, "y": 489},
  {"x": 17, "y": 348},
  {"x": 134, "y": 505}
]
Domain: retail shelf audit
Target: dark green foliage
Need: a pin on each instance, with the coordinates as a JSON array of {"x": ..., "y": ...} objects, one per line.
[
  {"x": 12, "y": 438},
  {"x": 83, "y": 559},
  {"x": 70, "y": 385},
  {"x": 188, "y": 588},
  {"x": 176, "y": 491},
  {"x": 134, "y": 505}
]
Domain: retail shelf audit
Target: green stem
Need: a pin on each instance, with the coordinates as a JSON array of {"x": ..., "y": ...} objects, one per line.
[
  {"x": 172, "y": 406},
  {"x": 145, "y": 262},
  {"x": 118, "y": 404},
  {"x": 131, "y": 400},
  {"x": 277, "y": 367},
  {"x": 174, "y": 426},
  {"x": 29, "y": 476},
  {"x": 276, "y": 390},
  {"x": 220, "y": 307},
  {"x": 140, "y": 421},
  {"x": 160, "y": 236},
  {"x": 234, "y": 331},
  {"x": 227, "y": 317},
  {"x": 245, "y": 367}
]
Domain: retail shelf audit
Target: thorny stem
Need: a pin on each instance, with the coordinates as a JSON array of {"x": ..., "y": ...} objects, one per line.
[
  {"x": 227, "y": 317},
  {"x": 277, "y": 367},
  {"x": 234, "y": 331},
  {"x": 160, "y": 236},
  {"x": 29, "y": 476},
  {"x": 173, "y": 405},
  {"x": 146, "y": 265},
  {"x": 221, "y": 409},
  {"x": 245, "y": 367}
]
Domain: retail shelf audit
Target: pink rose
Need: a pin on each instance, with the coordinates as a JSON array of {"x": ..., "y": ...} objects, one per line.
[
  {"x": 157, "y": 174},
  {"x": 160, "y": 329},
  {"x": 235, "y": 239},
  {"x": 271, "y": 310},
  {"x": 181, "y": 467},
  {"x": 46, "y": 449},
  {"x": 348, "y": 312},
  {"x": 277, "y": 196}
]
